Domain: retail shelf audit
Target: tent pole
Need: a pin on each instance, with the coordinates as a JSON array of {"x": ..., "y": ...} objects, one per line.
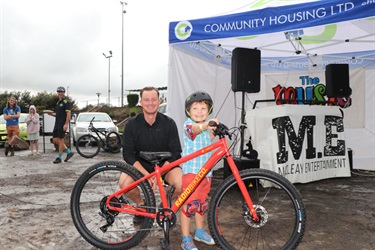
[{"x": 242, "y": 124}]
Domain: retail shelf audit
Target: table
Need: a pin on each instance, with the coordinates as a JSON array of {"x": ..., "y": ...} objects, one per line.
[{"x": 304, "y": 143}]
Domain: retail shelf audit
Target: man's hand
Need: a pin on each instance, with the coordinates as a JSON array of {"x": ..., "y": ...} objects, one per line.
[
  {"x": 152, "y": 181},
  {"x": 49, "y": 112}
]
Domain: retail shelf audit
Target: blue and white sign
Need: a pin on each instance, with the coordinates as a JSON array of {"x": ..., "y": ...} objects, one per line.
[{"x": 269, "y": 20}]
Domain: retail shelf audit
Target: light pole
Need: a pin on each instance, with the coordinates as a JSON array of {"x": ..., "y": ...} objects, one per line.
[
  {"x": 98, "y": 94},
  {"x": 122, "y": 53},
  {"x": 67, "y": 90},
  {"x": 109, "y": 76}
]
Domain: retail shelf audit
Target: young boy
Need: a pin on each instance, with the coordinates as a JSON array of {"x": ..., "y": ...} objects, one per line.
[{"x": 198, "y": 106}]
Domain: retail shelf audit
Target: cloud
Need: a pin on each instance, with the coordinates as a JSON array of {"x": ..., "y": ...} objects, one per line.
[{"x": 47, "y": 43}]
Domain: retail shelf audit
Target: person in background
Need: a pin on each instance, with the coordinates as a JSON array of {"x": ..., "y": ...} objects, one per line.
[
  {"x": 62, "y": 113},
  {"x": 197, "y": 135},
  {"x": 132, "y": 114},
  {"x": 11, "y": 114},
  {"x": 33, "y": 126},
  {"x": 153, "y": 132}
]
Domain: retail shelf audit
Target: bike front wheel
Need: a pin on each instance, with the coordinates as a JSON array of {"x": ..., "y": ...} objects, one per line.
[
  {"x": 114, "y": 142},
  {"x": 277, "y": 203},
  {"x": 97, "y": 224},
  {"x": 88, "y": 146}
]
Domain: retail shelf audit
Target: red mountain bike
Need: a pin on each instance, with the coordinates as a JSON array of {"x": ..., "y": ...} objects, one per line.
[{"x": 252, "y": 209}]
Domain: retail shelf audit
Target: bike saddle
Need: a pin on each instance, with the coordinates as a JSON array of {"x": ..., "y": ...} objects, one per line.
[{"x": 155, "y": 157}]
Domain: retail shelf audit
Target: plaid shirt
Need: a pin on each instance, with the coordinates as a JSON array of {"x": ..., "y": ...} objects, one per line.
[{"x": 192, "y": 143}]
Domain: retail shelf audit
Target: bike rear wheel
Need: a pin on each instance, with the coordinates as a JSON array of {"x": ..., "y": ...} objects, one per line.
[
  {"x": 114, "y": 142},
  {"x": 88, "y": 146},
  {"x": 277, "y": 202},
  {"x": 90, "y": 214}
]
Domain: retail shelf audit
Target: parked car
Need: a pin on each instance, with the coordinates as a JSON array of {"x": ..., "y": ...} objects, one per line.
[
  {"x": 102, "y": 121},
  {"x": 163, "y": 108},
  {"x": 22, "y": 125}
]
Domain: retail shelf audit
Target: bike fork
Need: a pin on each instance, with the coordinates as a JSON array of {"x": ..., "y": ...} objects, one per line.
[{"x": 243, "y": 189}]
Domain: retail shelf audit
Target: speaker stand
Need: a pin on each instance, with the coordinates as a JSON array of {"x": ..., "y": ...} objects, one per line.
[
  {"x": 243, "y": 126},
  {"x": 249, "y": 153},
  {"x": 244, "y": 160}
]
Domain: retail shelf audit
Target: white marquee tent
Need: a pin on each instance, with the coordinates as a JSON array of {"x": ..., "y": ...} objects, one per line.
[{"x": 295, "y": 38}]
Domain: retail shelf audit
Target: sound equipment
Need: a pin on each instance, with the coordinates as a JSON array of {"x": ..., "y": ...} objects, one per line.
[
  {"x": 246, "y": 70},
  {"x": 337, "y": 80},
  {"x": 241, "y": 163},
  {"x": 350, "y": 156}
]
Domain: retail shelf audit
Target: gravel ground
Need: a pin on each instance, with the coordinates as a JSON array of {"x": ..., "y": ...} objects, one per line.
[{"x": 35, "y": 195}]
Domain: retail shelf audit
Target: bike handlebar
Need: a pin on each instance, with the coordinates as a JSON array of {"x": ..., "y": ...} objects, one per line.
[
  {"x": 221, "y": 129},
  {"x": 91, "y": 125}
]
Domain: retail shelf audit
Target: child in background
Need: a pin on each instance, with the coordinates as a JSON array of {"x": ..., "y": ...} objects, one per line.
[
  {"x": 12, "y": 114},
  {"x": 32, "y": 121},
  {"x": 196, "y": 134}
]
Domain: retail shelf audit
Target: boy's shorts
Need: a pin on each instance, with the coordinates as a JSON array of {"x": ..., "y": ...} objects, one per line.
[{"x": 201, "y": 193}]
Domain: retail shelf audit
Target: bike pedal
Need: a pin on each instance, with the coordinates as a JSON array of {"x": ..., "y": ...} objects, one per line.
[{"x": 164, "y": 244}]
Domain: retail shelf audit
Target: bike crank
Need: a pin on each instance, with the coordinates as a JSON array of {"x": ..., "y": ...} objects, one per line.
[{"x": 166, "y": 215}]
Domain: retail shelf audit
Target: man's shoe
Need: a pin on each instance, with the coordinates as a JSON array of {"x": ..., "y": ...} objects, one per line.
[
  {"x": 58, "y": 160},
  {"x": 68, "y": 156},
  {"x": 202, "y": 236},
  {"x": 188, "y": 243},
  {"x": 138, "y": 221},
  {"x": 6, "y": 150}
]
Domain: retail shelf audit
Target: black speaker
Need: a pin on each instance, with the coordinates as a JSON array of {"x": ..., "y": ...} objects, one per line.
[
  {"x": 337, "y": 80},
  {"x": 246, "y": 70}
]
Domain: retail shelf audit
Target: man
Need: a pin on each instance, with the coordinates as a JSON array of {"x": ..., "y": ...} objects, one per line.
[
  {"x": 62, "y": 113},
  {"x": 153, "y": 132}
]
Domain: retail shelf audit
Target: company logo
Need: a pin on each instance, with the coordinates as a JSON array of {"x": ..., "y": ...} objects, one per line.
[{"x": 183, "y": 30}]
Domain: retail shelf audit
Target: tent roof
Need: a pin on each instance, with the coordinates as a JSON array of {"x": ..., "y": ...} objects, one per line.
[{"x": 313, "y": 33}]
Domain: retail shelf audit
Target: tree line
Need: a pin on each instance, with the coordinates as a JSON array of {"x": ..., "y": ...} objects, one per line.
[
  {"x": 42, "y": 100},
  {"x": 47, "y": 101}
]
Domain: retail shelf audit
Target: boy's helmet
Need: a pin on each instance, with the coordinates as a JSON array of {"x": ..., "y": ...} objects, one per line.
[{"x": 198, "y": 96}]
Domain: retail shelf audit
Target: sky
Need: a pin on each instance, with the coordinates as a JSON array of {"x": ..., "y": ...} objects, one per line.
[{"x": 48, "y": 43}]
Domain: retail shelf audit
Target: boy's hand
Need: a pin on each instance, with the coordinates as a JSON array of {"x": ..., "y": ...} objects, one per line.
[{"x": 207, "y": 126}]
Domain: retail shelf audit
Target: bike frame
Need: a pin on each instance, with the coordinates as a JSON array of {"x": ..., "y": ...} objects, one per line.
[
  {"x": 92, "y": 129},
  {"x": 221, "y": 152}
]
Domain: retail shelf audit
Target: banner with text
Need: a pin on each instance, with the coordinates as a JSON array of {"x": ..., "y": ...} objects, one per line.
[
  {"x": 269, "y": 20},
  {"x": 312, "y": 87},
  {"x": 302, "y": 143}
]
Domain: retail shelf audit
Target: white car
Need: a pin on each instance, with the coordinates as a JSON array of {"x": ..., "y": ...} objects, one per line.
[
  {"x": 102, "y": 121},
  {"x": 163, "y": 108}
]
